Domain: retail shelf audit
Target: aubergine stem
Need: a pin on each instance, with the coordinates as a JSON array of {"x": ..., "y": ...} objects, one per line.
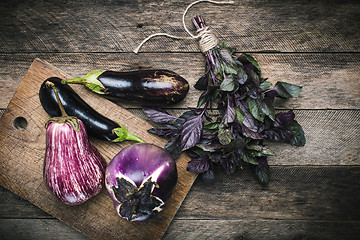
[
  {"x": 124, "y": 134},
  {"x": 73, "y": 122},
  {"x": 90, "y": 81}
]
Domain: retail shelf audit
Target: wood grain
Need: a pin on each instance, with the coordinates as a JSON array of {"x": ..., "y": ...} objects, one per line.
[
  {"x": 330, "y": 81},
  {"x": 301, "y": 202},
  {"x": 314, "y": 192},
  {"x": 119, "y": 26},
  {"x": 22, "y": 156},
  {"x": 332, "y": 138}
]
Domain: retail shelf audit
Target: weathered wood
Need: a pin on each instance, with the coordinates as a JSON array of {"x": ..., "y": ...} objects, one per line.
[
  {"x": 22, "y": 156},
  {"x": 262, "y": 229},
  {"x": 330, "y": 81},
  {"x": 308, "y": 201},
  {"x": 119, "y": 26},
  {"x": 332, "y": 138},
  {"x": 35, "y": 229},
  {"x": 31, "y": 229},
  {"x": 311, "y": 193}
]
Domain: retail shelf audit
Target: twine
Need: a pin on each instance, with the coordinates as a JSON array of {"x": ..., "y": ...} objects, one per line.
[{"x": 207, "y": 41}]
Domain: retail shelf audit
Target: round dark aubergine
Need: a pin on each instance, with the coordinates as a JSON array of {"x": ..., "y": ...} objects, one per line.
[{"x": 140, "y": 180}]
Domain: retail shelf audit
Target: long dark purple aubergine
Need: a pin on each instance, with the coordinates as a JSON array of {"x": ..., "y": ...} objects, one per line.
[
  {"x": 97, "y": 125},
  {"x": 140, "y": 179},
  {"x": 150, "y": 87},
  {"x": 73, "y": 168}
]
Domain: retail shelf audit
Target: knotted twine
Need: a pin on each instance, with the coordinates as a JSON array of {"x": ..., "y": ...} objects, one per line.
[{"x": 207, "y": 39}]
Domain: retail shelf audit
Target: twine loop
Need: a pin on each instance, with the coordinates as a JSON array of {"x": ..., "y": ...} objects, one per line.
[{"x": 207, "y": 41}]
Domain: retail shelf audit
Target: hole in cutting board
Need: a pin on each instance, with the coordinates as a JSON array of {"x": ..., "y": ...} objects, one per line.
[{"x": 20, "y": 123}]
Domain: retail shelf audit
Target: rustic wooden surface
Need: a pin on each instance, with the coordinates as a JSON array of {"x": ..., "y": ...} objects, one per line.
[
  {"x": 314, "y": 191},
  {"x": 22, "y": 157}
]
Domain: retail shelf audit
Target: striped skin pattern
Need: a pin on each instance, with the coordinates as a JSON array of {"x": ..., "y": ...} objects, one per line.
[{"x": 73, "y": 169}]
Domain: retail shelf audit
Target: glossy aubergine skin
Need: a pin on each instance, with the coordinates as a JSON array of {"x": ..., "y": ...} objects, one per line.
[
  {"x": 137, "y": 165},
  {"x": 97, "y": 125},
  {"x": 155, "y": 87}
]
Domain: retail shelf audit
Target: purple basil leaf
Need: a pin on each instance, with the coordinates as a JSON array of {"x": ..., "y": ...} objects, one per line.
[
  {"x": 241, "y": 76},
  {"x": 226, "y": 55},
  {"x": 208, "y": 177},
  {"x": 215, "y": 156},
  {"x": 202, "y": 83},
  {"x": 229, "y": 115},
  {"x": 287, "y": 90},
  {"x": 253, "y": 62},
  {"x": 254, "y": 77},
  {"x": 228, "y": 165},
  {"x": 224, "y": 135},
  {"x": 191, "y": 132},
  {"x": 278, "y": 134},
  {"x": 248, "y": 133},
  {"x": 247, "y": 158},
  {"x": 173, "y": 147},
  {"x": 163, "y": 132},
  {"x": 249, "y": 121},
  {"x": 198, "y": 165},
  {"x": 262, "y": 171},
  {"x": 283, "y": 118},
  {"x": 270, "y": 95},
  {"x": 265, "y": 86},
  {"x": 254, "y": 106},
  {"x": 299, "y": 135},
  {"x": 158, "y": 115},
  {"x": 228, "y": 84},
  {"x": 268, "y": 109}
]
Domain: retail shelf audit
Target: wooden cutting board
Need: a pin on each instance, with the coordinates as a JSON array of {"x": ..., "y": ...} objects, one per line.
[{"x": 22, "y": 141}]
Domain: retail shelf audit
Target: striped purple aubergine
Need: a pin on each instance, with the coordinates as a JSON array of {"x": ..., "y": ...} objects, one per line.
[
  {"x": 140, "y": 179},
  {"x": 73, "y": 169}
]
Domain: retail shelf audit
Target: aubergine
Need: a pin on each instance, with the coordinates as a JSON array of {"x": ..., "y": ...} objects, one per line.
[
  {"x": 97, "y": 125},
  {"x": 149, "y": 87}
]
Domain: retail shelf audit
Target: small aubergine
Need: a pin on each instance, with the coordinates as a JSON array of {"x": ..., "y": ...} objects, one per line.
[
  {"x": 149, "y": 87},
  {"x": 97, "y": 125},
  {"x": 140, "y": 180},
  {"x": 74, "y": 170}
]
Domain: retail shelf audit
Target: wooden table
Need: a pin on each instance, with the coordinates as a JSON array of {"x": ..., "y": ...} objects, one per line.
[{"x": 315, "y": 190}]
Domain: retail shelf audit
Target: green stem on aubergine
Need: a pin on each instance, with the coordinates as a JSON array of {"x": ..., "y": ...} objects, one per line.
[
  {"x": 123, "y": 135},
  {"x": 90, "y": 80},
  {"x": 233, "y": 135}
]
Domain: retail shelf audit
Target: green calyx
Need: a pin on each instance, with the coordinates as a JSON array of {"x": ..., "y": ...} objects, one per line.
[
  {"x": 123, "y": 134},
  {"x": 90, "y": 81}
]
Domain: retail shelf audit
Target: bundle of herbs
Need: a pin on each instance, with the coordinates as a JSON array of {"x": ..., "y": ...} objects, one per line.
[{"x": 234, "y": 115}]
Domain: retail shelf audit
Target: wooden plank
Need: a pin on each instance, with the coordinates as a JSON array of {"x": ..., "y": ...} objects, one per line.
[
  {"x": 195, "y": 229},
  {"x": 119, "y": 26},
  {"x": 311, "y": 193},
  {"x": 303, "y": 201},
  {"x": 22, "y": 153},
  {"x": 329, "y": 80},
  {"x": 243, "y": 229},
  {"x": 12, "y": 206},
  {"x": 332, "y": 138},
  {"x": 308, "y": 193},
  {"x": 31, "y": 229}
]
